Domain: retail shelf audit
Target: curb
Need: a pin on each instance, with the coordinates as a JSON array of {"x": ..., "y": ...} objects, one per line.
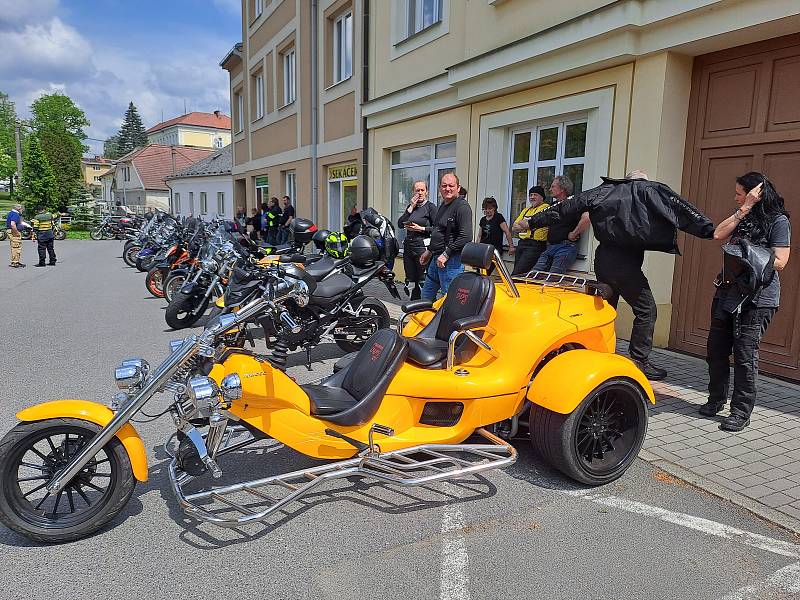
[{"x": 763, "y": 511}]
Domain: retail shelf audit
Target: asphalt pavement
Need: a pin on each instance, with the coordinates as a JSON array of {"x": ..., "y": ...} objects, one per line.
[{"x": 525, "y": 532}]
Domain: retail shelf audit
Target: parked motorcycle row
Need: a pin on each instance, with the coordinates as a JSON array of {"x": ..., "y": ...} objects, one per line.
[
  {"x": 28, "y": 232},
  {"x": 440, "y": 397}
]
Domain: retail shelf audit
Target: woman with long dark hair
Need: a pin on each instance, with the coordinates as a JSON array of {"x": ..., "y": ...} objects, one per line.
[{"x": 738, "y": 321}]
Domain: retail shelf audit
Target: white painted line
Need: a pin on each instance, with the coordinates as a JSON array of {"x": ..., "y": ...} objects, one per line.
[
  {"x": 698, "y": 524},
  {"x": 786, "y": 579},
  {"x": 455, "y": 562}
]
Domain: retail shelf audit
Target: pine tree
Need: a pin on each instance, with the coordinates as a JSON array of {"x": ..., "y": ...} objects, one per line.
[
  {"x": 132, "y": 133},
  {"x": 39, "y": 187},
  {"x": 111, "y": 147}
]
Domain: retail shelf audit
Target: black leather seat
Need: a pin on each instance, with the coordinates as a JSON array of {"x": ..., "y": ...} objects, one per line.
[
  {"x": 468, "y": 304},
  {"x": 353, "y": 395},
  {"x": 321, "y": 268},
  {"x": 330, "y": 288}
]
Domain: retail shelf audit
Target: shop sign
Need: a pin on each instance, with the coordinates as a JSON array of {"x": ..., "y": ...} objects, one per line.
[
  {"x": 343, "y": 172},
  {"x": 262, "y": 181}
]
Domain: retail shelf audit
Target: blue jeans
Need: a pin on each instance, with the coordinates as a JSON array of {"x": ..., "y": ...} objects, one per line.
[
  {"x": 437, "y": 279},
  {"x": 557, "y": 258}
]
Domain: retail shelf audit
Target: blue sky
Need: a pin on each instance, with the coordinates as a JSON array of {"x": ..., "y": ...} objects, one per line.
[{"x": 105, "y": 53}]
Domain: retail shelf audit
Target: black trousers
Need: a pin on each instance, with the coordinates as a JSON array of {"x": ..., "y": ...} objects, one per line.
[
  {"x": 415, "y": 272},
  {"x": 621, "y": 268},
  {"x": 526, "y": 255},
  {"x": 45, "y": 247},
  {"x": 722, "y": 341}
]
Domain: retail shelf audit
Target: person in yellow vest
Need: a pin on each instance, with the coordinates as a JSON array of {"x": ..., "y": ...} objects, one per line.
[
  {"x": 531, "y": 243},
  {"x": 43, "y": 223}
]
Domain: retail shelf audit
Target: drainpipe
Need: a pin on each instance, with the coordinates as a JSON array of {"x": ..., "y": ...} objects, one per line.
[
  {"x": 314, "y": 110},
  {"x": 364, "y": 99}
]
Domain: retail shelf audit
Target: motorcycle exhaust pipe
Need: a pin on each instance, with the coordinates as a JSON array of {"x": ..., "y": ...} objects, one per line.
[{"x": 289, "y": 322}]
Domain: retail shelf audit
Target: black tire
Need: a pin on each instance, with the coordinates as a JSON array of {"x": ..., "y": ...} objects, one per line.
[
  {"x": 60, "y": 234},
  {"x": 26, "y": 234},
  {"x": 179, "y": 313},
  {"x": 172, "y": 285},
  {"x": 129, "y": 254},
  {"x": 3, "y": 235},
  {"x": 33, "y": 448},
  {"x": 154, "y": 282},
  {"x": 146, "y": 263},
  {"x": 600, "y": 439},
  {"x": 372, "y": 316},
  {"x": 96, "y": 233}
]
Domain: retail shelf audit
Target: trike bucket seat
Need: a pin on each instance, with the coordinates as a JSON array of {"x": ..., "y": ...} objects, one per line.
[
  {"x": 468, "y": 305},
  {"x": 353, "y": 395}
]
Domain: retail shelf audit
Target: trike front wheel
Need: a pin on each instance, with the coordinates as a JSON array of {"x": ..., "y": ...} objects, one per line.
[
  {"x": 598, "y": 441},
  {"x": 32, "y": 453}
]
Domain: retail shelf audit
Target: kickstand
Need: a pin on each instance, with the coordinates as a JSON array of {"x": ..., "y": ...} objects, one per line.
[{"x": 308, "y": 359}]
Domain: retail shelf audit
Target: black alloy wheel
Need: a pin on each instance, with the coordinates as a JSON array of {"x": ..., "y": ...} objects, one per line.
[
  {"x": 600, "y": 439},
  {"x": 96, "y": 233},
  {"x": 351, "y": 333},
  {"x": 129, "y": 254},
  {"x": 32, "y": 453}
]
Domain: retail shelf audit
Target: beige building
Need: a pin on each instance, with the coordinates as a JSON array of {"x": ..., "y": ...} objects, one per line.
[
  {"x": 201, "y": 129},
  {"x": 509, "y": 93},
  {"x": 93, "y": 170},
  {"x": 295, "y": 96}
]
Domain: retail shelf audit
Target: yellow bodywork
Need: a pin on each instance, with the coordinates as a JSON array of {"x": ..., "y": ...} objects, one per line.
[
  {"x": 94, "y": 413},
  {"x": 529, "y": 330}
]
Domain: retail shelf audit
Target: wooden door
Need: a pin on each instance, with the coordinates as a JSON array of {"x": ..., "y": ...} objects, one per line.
[{"x": 743, "y": 116}]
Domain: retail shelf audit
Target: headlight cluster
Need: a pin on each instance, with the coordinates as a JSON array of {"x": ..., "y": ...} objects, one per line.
[
  {"x": 205, "y": 393},
  {"x": 131, "y": 373},
  {"x": 209, "y": 265}
]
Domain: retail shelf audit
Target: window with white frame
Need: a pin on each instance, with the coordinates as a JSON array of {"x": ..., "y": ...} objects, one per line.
[
  {"x": 421, "y": 14},
  {"x": 203, "y": 203},
  {"x": 218, "y": 142},
  {"x": 259, "y": 85},
  {"x": 239, "y": 112},
  {"x": 95, "y": 167},
  {"x": 176, "y": 203},
  {"x": 220, "y": 203},
  {"x": 291, "y": 185},
  {"x": 259, "y": 7},
  {"x": 191, "y": 203},
  {"x": 343, "y": 47},
  {"x": 540, "y": 153},
  {"x": 289, "y": 77},
  {"x": 428, "y": 163}
]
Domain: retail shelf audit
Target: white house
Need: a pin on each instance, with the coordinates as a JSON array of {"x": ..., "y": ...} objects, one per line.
[{"x": 205, "y": 189}]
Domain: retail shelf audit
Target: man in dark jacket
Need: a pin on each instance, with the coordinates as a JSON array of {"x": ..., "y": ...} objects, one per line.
[
  {"x": 630, "y": 216},
  {"x": 452, "y": 229}
]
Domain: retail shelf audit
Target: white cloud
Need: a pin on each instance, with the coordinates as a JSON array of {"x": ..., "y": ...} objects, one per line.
[
  {"x": 44, "y": 50},
  {"x": 16, "y": 12}
]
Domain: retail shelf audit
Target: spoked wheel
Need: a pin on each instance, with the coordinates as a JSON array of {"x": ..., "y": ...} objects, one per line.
[
  {"x": 172, "y": 286},
  {"x": 129, "y": 254},
  {"x": 96, "y": 233},
  {"x": 185, "y": 311},
  {"x": 351, "y": 333},
  {"x": 600, "y": 439},
  {"x": 155, "y": 282},
  {"x": 60, "y": 234},
  {"x": 32, "y": 453}
]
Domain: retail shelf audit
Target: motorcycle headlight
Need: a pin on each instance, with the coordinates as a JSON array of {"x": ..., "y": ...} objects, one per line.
[
  {"x": 202, "y": 390},
  {"x": 131, "y": 373},
  {"x": 209, "y": 265},
  {"x": 175, "y": 345},
  {"x": 231, "y": 387}
]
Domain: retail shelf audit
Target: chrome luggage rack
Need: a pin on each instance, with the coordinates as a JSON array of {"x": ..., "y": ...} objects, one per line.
[
  {"x": 254, "y": 501},
  {"x": 545, "y": 279}
]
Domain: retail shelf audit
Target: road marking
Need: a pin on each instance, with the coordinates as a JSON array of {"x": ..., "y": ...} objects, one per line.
[
  {"x": 455, "y": 562},
  {"x": 691, "y": 522},
  {"x": 786, "y": 579}
]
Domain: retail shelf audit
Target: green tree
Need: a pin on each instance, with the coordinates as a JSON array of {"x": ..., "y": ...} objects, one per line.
[
  {"x": 8, "y": 121},
  {"x": 8, "y": 166},
  {"x": 111, "y": 148},
  {"x": 132, "y": 133},
  {"x": 59, "y": 123},
  {"x": 38, "y": 182}
]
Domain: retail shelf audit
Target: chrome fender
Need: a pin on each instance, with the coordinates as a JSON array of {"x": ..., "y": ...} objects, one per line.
[{"x": 94, "y": 413}]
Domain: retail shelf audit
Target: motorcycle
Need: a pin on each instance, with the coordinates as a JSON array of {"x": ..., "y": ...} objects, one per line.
[
  {"x": 401, "y": 412},
  {"x": 114, "y": 227}
]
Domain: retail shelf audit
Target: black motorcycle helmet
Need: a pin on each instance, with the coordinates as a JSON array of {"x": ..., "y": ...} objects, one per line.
[
  {"x": 363, "y": 251},
  {"x": 304, "y": 230},
  {"x": 319, "y": 239}
]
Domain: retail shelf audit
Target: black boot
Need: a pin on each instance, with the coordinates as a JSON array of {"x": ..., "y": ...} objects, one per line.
[
  {"x": 651, "y": 371},
  {"x": 735, "y": 422},
  {"x": 710, "y": 409},
  {"x": 40, "y": 265}
]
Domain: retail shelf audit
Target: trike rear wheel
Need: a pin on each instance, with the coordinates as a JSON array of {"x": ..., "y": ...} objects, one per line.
[{"x": 598, "y": 441}]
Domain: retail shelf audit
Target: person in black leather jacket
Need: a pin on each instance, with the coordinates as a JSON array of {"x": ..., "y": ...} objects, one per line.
[
  {"x": 629, "y": 216},
  {"x": 417, "y": 220}
]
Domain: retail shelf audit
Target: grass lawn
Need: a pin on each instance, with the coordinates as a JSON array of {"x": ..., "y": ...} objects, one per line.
[
  {"x": 78, "y": 235},
  {"x": 5, "y": 202}
]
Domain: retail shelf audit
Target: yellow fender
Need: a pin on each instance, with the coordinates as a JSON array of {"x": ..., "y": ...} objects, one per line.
[
  {"x": 94, "y": 413},
  {"x": 566, "y": 380}
]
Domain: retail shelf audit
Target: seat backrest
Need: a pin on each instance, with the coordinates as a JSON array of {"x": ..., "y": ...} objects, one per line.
[
  {"x": 469, "y": 295},
  {"x": 368, "y": 377}
]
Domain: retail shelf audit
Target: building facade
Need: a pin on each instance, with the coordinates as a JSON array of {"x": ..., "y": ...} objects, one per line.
[
  {"x": 139, "y": 176},
  {"x": 204, "y": 130},
  {"x": 296, "y": 92},
  {"x": 510, "y": 93},
  {"x": 204, "y": 189},
  {"x": 93, "y": 170}
]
